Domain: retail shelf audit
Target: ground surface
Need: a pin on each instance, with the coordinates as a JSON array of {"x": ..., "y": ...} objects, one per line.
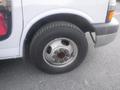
[{"x": 99, "y": 71}]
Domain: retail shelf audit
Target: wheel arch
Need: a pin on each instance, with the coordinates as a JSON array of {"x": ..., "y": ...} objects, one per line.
[{"x": 81, "y": 20}]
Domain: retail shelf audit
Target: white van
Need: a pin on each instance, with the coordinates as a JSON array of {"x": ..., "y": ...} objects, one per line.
[{"x": 51, "y": 33}]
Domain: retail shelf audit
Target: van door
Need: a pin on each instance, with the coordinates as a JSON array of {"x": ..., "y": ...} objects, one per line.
[{"x": 10, "y": 27}]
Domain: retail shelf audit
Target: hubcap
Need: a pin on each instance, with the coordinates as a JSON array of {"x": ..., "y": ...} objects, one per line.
[{"x": 60, "y": 52}]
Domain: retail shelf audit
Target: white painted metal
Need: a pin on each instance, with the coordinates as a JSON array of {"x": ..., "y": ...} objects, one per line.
[
  {"x": 33, "y": 10},
  {"x": 93, "y": 10},
  {"x": 10, "y": 47},
  {"x": 112, "y": 2}
]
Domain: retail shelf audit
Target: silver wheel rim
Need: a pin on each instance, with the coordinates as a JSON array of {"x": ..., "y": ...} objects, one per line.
[{"x": 60, "y": 52}]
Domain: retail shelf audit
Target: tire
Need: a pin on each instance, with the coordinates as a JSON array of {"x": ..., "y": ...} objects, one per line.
[{"x": 58, "y": 31}]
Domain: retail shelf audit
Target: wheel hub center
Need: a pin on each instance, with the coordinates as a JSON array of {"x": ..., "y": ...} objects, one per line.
[{"x": 61, "y": 55}]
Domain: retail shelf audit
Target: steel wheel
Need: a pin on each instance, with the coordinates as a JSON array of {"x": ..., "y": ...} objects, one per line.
[{"x": 60, "y": 52}]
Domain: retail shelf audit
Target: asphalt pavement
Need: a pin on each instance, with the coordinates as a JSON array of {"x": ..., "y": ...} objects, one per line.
[{"x": 99, "y": 71}]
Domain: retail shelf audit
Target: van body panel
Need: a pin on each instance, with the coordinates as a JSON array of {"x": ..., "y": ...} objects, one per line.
[
  {"x": 25, "y": 13},
  {"x": 10, "y": 46},
  {"x": 96, "y": 9}
]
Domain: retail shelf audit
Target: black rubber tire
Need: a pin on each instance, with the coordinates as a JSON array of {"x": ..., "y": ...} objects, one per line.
[{"x": 50, "y": 32}]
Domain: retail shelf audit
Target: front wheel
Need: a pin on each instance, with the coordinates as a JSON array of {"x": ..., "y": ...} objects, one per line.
[{"x": 58, "y": 47}]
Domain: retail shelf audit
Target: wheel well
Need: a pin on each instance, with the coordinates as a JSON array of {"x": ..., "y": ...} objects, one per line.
[{"x": 81, "y": 22}]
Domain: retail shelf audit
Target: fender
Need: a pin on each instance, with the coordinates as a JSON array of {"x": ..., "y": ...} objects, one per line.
[{"x": 46, "y": 14}]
